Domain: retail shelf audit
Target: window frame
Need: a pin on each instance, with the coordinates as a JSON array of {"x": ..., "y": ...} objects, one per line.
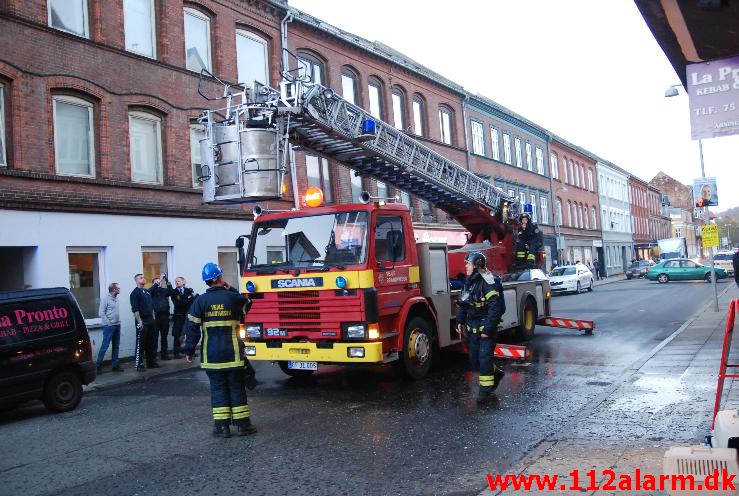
[
  {"x": 495, "y": 143},
  {"x": 346, "y": 74},
  {"x": 517, "y": 151},
  {"x": 85, "y": 19},
  {"x": 195, "y": 128},
  {"x": 475, "y": 124},
  {"x": 312, "y": 62},
  {"x": 102, "y": 277},
  {"x": 534, "y": 207},
  {"x": 324, "y": 176},
  {"x": 3, "y": 128},
  {"x": 250, "y": 35},
  {"x": 153, "y": 54},
  {"x": 167, "y": 250},
  {"x": 544, "y": 205},
  {"x": 398, "y": 110},
  {"x": 558, "y": 215},
  {"x": 553, "y": 165},
  {"x": 229, "y": 250},
  {"x": 528, "y": 155},
  {"x": 203, "y": 17},
  {"x": 375, "y": 84},
  {"x": 445, "y": 111},
  {"x": 378, "y": 221},
  {"x": 355, "y": 180},
  {"x": 79, "y": 102},
  {"x": 142, "y": 115},
  {"x": 419, "y": 120},
  {"x": 507, "y": 156}
]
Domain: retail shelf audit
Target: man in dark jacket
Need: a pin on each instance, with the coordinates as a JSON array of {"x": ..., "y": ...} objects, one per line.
[
  {"x": 219, "y": 311},
  {"x": 182, "y": 298},
  {"x": 735, "y": 264},
  {"x": 142, "y": 307},
  {"x": 160, "y": 291},
  {"x": 529, "y": 241},
  {"x": 480, "y": 308}
]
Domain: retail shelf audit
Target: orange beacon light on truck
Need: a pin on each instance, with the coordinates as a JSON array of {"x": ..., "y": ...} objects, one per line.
[{"x": 313, "y": 196}]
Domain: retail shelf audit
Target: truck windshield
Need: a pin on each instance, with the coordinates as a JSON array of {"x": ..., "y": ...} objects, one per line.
[{"x": 330, "y": 240}]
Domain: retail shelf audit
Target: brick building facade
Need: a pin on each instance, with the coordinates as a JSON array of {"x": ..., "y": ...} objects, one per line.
[
  {"x": 685, "y": 219},
  {"x": 576, "y": 201},
  {"x": 640, "y": 217}
]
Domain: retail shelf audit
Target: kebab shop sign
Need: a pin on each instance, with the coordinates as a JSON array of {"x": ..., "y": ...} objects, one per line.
[
  {"x": 34, "y": 320},
  {"x": 713, "y": 91}
]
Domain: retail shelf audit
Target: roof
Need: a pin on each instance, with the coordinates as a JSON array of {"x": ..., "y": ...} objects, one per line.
[
  {"x": 376, "y": 48},
  {"x": 504, "y": 112}
]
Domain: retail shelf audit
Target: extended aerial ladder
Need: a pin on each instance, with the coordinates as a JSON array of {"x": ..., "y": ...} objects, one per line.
[{"x": 314, "y": 117}]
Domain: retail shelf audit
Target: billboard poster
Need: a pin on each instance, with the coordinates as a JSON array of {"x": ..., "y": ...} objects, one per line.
[
  {"x": 704, "y": 192},
  {"x": 713, "y": 90}
]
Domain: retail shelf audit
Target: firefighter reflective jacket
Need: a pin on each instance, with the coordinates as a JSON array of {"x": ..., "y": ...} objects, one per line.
[
  {"x": 218, "y": 313},
  {"x": 481, "y": 304},
  {"x": 531, "y": 237}
]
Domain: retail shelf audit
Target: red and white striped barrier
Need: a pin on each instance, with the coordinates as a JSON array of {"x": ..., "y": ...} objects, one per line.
[
  {"x": 512, "y": 351},
  {"x": 581, "y": 325}
]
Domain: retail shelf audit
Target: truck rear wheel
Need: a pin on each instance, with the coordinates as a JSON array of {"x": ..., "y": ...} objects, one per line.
[
  {"x": 418, "y": 350},
  {"x": 525, "y": 331},
  {"x": 295, "y": 373}
]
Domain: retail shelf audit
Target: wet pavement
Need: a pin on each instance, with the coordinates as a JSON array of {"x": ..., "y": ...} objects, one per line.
[{"x": 361, "y": 430}]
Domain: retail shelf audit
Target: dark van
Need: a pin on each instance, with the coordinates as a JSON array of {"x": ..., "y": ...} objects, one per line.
[{"x": 45, "y": 351}]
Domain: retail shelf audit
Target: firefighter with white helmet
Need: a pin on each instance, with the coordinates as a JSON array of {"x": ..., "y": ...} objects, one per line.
[
  {"x": 219, "y": 312},
  {"x": 480, "y": 308}
]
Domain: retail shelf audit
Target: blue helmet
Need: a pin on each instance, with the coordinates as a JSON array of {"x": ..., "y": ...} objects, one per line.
[{"x": 211, "y": 271}]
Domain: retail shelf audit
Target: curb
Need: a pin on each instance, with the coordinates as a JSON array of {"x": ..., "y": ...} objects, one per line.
[
  {"x": 139, "y": 377},
  {"x": 541, "y": 447}
]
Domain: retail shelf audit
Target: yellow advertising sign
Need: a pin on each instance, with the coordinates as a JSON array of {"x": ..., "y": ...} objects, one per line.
[{"x": 710, "y": 236}]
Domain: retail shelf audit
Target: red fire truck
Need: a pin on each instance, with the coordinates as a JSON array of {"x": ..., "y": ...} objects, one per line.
[{"x": 348, "y": 284}]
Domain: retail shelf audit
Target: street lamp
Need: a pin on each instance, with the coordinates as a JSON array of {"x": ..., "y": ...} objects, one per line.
[{"x": 670, "y": 92}]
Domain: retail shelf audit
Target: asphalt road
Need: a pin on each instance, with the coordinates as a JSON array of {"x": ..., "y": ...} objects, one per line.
[{"x": 348, "y": 430}]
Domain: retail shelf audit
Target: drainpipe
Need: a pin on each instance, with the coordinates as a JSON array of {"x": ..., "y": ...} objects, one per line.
[
  {"x": 468, "y": 157},
  {"x": 283, "y": 37},
  {"x": 553, "y": 202}
]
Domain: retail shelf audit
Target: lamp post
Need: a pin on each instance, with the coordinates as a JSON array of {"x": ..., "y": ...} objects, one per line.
[{"x": 670, "y": 92}]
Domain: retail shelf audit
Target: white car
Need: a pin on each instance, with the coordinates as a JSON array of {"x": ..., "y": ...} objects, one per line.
[
  {"x": 571, "y": 278},
  {"x": 724, "y": 259}
]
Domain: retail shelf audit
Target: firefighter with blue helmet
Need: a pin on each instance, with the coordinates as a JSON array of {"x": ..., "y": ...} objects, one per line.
[
  {"x": 216, "y": 315},
  {"x": 480, "y": 308},
  {"x": 529, "y": 240}
]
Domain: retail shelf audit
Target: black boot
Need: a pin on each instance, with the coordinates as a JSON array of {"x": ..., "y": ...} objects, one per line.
[
  {"x": 484, "y": 396},
  {"x": 221, "y": 431},
  {"x": 497, "y": 377},
  {"x": 245, "y": 428}
]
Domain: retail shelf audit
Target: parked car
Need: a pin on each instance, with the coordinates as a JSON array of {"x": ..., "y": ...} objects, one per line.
[
  {"x": 571, "y": 278},
  {"x": 529, "y": 275},
  {"x": 682, "y": 269},
  {"x": 45, "y": 351},
  {"x": 638, "y": 269},
  {"x": 724, "y": 259}
]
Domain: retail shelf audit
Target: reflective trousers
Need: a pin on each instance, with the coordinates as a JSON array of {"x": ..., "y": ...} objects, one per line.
[
  {"x": 228, "y": 396},
  {"x": 522, "y": 253},
  {"x": 481, "y": 351}
]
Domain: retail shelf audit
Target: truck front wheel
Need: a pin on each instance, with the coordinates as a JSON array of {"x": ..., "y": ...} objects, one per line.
[{"x": 418, "y": 350}]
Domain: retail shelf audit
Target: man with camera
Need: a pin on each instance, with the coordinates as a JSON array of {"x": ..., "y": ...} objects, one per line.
[{"x": 142, "y": 307}]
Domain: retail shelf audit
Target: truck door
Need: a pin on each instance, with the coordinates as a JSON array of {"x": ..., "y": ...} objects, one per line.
[{"x": 393, "y": 259}]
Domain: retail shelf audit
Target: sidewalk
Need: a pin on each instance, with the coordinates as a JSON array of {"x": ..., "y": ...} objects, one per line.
[
  {"x": 664, "y": 399},
  {"x": 609, "y": 279},
  {"x": 110, "y": 379}
]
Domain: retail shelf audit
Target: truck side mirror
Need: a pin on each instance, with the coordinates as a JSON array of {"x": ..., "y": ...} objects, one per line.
[{"x": 241, "y": 256}]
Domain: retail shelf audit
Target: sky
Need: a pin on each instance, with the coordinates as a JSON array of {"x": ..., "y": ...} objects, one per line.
[{"x": 590, "y": 72}]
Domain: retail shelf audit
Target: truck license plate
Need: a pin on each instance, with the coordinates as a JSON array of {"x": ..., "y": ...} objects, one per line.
[{"x": 302, "y": 365}]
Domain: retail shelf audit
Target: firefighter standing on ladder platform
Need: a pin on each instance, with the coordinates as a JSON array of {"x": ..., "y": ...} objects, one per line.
[
  {"x": 219, "y": 312},
  {"x": 529, "y": 240},
  {"x": 481, "y": 305}
]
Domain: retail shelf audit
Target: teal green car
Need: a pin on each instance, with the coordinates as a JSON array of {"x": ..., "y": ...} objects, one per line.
[{"x": 682, "y": 269}]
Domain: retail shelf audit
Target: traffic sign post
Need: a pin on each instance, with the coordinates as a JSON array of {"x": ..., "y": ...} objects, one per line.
[{"x": 709, "y": 234}]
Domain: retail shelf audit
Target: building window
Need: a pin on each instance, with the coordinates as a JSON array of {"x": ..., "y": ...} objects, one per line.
[
  {"x": 375, "y": 98},
  {"x": 357, "y": 188},
  {"x": 544, "y": 209},
  {"x": 558, "y": 214},
  {"x": 197, "y": 41},
  {"x": 585, "y": 217},
  {"x": 445, "y": 125},
  {"x": 3, "y": 153},
  {"x": 573, "y": 178},
  {"x": 251, "y": 58},
  {"x": 348, "y": 88},
  {"x": 478, "y": 138},
  {"x": 382, "y": 191},
  {"x": 576, "y": 175},
  {"x": 512, "y": 193},
  {"x": 590, "y": 180},
  {"x": 529, "y": 163},
  {"x": 564, "y": 168},
  {"x": 494, "y": 143},
  {"x": 553, "y": 166},
  {"x": 308, "y": 67},
  {"x": 580, "y": 222},
  {"x": 140, "y": 27},
  {"x": 426, "y": 210},
  {"x": 418, "y": 115},
  {"x": 228, "y": 261},
  {"x": 534, "y": 208},
  {"x": 85, "y": 279},
  {"x": 522, "y": 197},
  {"x": 196, "y": 134},
  {"x": 539, "y": 161},
  {"x": 74, "y": 143},
  {"x": 398, "y": 98},
  {"x": 318, "y": 175},
  {"x": 582, "y": 176},
  {"x": 146, "y": 147},
  {"x": 507, "y": 148},
  {"x": 155, "y": 262},
  {"x": 517, "y": 145},
  {"x": 69, "y": 16},
  {"x": 406, "y": 199}
]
